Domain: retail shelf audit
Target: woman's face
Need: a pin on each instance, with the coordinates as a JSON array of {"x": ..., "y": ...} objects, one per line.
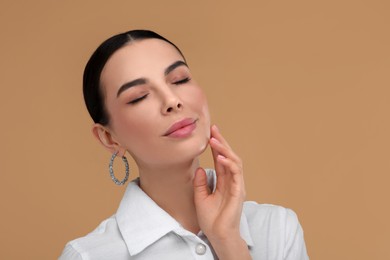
[{"x": 157, "y": 111}]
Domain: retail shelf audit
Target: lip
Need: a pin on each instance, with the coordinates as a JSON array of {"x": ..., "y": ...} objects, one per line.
[{"x": 182, "y": 128}]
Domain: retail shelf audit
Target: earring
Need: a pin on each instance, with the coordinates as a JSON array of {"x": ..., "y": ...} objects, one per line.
[{"x": 114, "y": 179}]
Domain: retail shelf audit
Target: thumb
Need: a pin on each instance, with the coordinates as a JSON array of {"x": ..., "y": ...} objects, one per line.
[{"x": 201, "y": 189}]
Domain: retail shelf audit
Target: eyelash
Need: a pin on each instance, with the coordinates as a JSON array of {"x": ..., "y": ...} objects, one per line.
[
  {"x": 183, "y": 81},
  {"x": 180, "y": 82},
  {"x": 137, "y": 100}
]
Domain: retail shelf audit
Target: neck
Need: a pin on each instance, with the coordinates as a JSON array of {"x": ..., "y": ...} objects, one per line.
[{"x": 172, "y": 190}]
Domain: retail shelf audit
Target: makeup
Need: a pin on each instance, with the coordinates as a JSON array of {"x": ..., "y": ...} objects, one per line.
[{"x": 182, "y": 128}]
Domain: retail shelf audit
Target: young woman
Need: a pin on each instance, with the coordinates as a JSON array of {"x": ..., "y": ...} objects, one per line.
[{"x": 144, "y": 101}]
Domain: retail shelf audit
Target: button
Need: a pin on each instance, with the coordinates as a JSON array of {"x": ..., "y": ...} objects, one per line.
[{"x": 200, "y": 249}]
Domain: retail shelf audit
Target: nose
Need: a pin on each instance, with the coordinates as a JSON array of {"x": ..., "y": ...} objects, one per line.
[
  {"x": 172, "y": 103},
  {"x": 174, "y": 107}
]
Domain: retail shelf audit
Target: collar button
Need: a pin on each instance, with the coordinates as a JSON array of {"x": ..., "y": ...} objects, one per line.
[{"x": 200, "y": 249}]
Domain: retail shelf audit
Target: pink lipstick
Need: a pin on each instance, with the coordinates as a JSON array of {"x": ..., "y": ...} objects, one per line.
[{"x": 182, "y": 128}]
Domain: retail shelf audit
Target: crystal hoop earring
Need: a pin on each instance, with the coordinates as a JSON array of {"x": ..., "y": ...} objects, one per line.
[{"x": 114, "y": 179}]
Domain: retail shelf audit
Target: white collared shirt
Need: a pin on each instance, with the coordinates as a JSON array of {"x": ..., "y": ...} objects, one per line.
[{"x": 140, "y": 229}]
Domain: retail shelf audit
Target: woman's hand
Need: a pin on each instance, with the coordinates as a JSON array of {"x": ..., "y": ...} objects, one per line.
[{"x": 219, "y": 213}]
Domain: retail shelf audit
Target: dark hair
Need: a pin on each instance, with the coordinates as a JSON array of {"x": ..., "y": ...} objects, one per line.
[{"x": 93, "y": 94}]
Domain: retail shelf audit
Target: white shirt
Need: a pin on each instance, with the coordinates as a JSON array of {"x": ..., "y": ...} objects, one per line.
[{"x": 140, "y": 229}]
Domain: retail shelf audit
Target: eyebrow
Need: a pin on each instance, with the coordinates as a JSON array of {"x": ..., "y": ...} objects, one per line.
[
  {"x": 130, "y": 84},
  {"x": 174, "y": 66},
  {"x": 141, "y": 81}
]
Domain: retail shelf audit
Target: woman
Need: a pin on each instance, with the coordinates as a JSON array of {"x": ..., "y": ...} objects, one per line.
[{"x": 140, "y": 93}]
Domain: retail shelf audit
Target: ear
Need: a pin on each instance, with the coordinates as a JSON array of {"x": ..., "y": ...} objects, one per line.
[{"x": 104, "y": 136}]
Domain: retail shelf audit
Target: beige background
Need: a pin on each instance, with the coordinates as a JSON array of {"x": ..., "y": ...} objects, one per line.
[{"x": 299, "y": 88}]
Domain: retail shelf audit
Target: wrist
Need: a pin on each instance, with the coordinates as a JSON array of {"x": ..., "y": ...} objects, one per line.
[
  {"x": 224, "y": 237},
  {"x": 233, "y": 247}
]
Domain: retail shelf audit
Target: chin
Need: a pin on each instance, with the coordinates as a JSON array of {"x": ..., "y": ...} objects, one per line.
[
  {"x": 193, "y": 149},
  {"x": 182, "y": 151},
  {"x": 204, "y": 144}
]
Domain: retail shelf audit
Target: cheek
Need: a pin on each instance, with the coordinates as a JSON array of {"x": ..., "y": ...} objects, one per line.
[
  {"x": 133, "y": 128},
  {"x": 197, "y": 102}
]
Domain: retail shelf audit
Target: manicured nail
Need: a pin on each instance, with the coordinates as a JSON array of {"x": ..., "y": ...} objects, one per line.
[
  {"x": 213, "y": 139},
  {"x": 221, "y": 157}
]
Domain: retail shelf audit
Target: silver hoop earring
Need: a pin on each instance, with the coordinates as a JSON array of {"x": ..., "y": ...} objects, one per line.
[{"x": 114, "y": 179}]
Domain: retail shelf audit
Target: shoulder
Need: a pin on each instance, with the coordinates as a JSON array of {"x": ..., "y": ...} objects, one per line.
[
  {"x": 277, "y": 226},
  {"x": 268, "y": 213},
  {"x": 277, "y": 219},
  {"x": 100, "y": 243}
]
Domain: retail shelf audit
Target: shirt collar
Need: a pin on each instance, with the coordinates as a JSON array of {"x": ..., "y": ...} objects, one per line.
[{"x": 142, "y": 222}]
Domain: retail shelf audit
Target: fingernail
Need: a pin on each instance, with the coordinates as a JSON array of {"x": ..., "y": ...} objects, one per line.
[
  {"x": 216, "y": 128},
  {"x": 213, "y": 139},
  {"x": 221, "y": 157}
]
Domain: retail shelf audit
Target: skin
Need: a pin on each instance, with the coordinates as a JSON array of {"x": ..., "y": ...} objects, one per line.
[{"x": 169, "y": 167}]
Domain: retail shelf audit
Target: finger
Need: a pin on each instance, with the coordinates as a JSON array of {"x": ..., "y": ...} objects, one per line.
[
  {"x": 218, "y": 167},
  {"x": 234, "y": 178},
  {"x": 217, "y": 134},
  {"x": 220, "y": 172},
  {"x": 222, "y": 149},
  {"x": 201, "y": 189},
  {"x": 230, "y": 165}
]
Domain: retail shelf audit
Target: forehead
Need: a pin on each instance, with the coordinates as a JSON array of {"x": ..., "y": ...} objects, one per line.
[{"x": 141, "y": 58}]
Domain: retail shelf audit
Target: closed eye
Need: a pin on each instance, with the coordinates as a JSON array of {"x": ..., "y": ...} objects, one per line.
[
  {"x": 134, "y": 101},
  {"x": 181, "y": 81}
]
